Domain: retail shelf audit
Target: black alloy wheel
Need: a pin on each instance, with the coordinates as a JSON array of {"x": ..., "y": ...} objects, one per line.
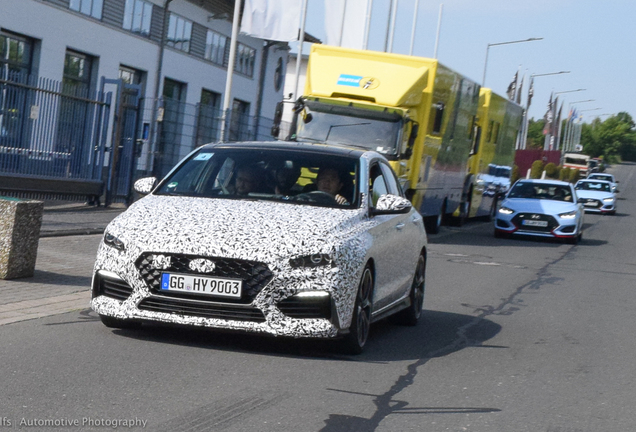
[{"x": 358, "y": 335}]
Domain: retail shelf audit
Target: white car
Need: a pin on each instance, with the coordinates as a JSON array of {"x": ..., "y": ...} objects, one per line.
[
  {"x": 607, "y": 177},
  {"x": 204, "y": 249},
  {"x": 596, "y": 196},
  {"x": 541, "y": 208}
]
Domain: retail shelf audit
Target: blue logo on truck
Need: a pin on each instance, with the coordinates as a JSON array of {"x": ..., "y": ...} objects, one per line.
[{"x": 349, "y": 80}]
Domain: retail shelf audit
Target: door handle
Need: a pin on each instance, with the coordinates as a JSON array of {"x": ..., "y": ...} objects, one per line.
[{"x": 399, "y": 226}]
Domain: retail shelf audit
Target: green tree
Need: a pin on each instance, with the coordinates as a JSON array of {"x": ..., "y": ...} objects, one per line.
[
  {"x": 613, "y": 139},
  {"x": 536, "y": 138}
]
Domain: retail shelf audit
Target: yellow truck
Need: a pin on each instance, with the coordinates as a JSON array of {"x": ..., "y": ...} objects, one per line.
[
  {"x": 418, "y": 113},
  {"x": 492, "y": 156}
]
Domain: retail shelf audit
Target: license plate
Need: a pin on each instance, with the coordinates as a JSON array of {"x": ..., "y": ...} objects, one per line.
[
  {"x": 536, "y": 223},
  {"x": 192, "y": 284},
  {"x": 590, "y": 204}
]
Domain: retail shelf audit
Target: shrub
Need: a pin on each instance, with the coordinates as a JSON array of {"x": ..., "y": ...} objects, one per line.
[
  {"x": 574, "y": 175},
  {"x": 564, "y": 174},
  {"x": 536, "y": 170},
  {"x": 514, "y": 176},
  {"x": 551, "y": 170}
]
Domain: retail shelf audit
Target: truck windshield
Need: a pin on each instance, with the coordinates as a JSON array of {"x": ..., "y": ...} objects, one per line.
[{"x": 373, "y": 130}]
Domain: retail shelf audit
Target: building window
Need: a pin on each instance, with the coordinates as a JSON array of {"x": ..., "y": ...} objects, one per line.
[
  {"x": 208, "y": 117},
  {"x": 179, "y": 33},
  {"x": 88, "y": 7},
  {"x": 137, "y": 14},
  {"x": 77, "y": 73},
  {"x": 216, "y": 47},
  {"x": 239, "y": 122},
  {"x": 245, "y": 57},
  {"x": 15, "y": 57}
]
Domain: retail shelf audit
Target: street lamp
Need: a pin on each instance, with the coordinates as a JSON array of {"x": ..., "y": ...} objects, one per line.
[
  {"x": 550, "y": 73},
  {"x": 569, "y": 91},
  {"x": 527, "y": 119},
  {"x": 483, "y": 81}
]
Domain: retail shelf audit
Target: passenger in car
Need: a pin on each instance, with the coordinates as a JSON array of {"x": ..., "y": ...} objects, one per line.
[
  {"x": 247, "y": 179},
  {"x": 331, "y": 181},
  {"x": 286, "y": 178}
]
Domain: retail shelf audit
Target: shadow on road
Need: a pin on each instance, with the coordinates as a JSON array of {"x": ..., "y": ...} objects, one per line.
[{"x": 438, "y": 334}]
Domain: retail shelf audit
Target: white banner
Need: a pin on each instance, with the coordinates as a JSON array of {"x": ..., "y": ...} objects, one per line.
[
  {"x": 271, "y": 19},
  {"x": 348, "y": 32}
]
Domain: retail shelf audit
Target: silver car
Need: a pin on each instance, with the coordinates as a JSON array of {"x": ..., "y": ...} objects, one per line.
[
  {"x": 596, "y": 196},
  {"x": 266, "y": 238},
  {"x": 541, "y": 208}
]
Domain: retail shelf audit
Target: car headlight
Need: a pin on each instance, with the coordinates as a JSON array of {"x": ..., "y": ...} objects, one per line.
[
  {"x": 114, "y": 242},
  {"x": 314, "y": 260},
  {"x": 608, "y": 200},
  {"x": 568, "y": 215},
  {"x": 506, "y": 211}
]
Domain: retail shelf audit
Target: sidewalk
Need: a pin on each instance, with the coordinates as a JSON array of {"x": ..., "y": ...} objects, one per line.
[{"x": 69, "y": 237}]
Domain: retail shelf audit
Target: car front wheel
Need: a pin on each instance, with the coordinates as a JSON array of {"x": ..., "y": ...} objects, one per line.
[{"x": 356, "y": 339}]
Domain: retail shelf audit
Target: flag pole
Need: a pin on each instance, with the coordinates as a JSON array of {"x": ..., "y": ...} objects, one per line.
[
  {"x": 367, "y": 24},
  {"x": 417, "y": 3},
  {"x": 230, "y": 69},
  {"x": 394, "y": 4},
  {"x": 299, "y": 56},
  {"x": 439, "y": 27}
]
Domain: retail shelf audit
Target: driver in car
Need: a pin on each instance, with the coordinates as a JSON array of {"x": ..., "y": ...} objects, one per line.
[{"x": 329, "y": 180}]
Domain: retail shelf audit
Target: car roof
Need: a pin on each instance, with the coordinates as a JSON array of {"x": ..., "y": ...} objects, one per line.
[
  {"x": 589, "y": 180},
  {"x": 544, "y": 182},
  {"x": 338, "y": 150}
]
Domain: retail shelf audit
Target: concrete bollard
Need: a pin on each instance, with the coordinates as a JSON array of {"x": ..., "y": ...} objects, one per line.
[{"x": 20, "y": 223}]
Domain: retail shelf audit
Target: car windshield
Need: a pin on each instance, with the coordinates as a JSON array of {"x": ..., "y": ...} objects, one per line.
[
  {"x": 594, "y": 186},
  {"x": 541, "y": 191},
  {"x": 376, "y": 131},
  {"x": 265, "y": 174},
  {"x": 602, "y": 177}
]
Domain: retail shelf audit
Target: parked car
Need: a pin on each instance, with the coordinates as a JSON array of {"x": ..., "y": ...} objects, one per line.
[
  {"x": 596, "y": 196},
  {"x": 276, "y": 257},
  {"x": 541, "y": 208},
  {"x": 607, "y": 177}
]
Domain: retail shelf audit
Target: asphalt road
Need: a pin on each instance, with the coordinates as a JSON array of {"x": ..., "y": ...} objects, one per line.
[{"x": 519, "y": 335}]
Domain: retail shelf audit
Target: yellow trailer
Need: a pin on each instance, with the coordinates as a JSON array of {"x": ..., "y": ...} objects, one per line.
[
  {"x": 418, "y": 113},
  {"x": 491, "y": 159}
]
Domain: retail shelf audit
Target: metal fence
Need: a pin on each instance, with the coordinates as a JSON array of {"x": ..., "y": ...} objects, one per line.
[
  {"x": 48, "y": 132},
  {"x": 58, "y": 138},
  {"x": 183, "y": 127}
]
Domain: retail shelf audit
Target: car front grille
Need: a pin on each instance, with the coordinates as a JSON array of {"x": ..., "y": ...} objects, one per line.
[
  {"x": 201, "y": 309},
  {"x": 590, "y": 203},
  {"x": 111, "y": 287},
  {"x": 255, "y": 275},
  {"x": 306, "y": 307},
  {"x": 536, "y": 217}
]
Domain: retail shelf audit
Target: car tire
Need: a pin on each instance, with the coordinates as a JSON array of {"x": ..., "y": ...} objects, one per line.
[
  {"x": 356, "y": 339},
  {"x": 118, "y": 323},
  {"x": 412, "y": 314}
]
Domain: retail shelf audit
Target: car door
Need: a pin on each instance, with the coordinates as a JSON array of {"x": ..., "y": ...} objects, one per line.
[{"x": 393, "y": 241}]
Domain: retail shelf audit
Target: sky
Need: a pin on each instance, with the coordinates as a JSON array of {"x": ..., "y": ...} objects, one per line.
[{"x": 595, "y": 40}]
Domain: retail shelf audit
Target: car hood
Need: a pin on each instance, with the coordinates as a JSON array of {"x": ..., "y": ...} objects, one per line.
[
  {"x": 594, "y": 194},
  {"x": 545, "y": 206},
  {"x": 253, "y": 230}
]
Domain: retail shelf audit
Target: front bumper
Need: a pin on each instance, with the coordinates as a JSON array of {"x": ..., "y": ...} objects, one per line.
[
  {"x": 554, "y": 228},
  {"x": 125, "y": 290}
]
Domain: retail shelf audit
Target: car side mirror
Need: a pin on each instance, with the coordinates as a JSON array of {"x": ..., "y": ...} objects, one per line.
[
  {"x": 391, "y": 204},
  {"x": 145, "y": 185}
]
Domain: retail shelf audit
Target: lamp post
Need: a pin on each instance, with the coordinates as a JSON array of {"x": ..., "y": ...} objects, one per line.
[
  {"x": 527, "y": 119},
  {"x": 483, "y": 81}
]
